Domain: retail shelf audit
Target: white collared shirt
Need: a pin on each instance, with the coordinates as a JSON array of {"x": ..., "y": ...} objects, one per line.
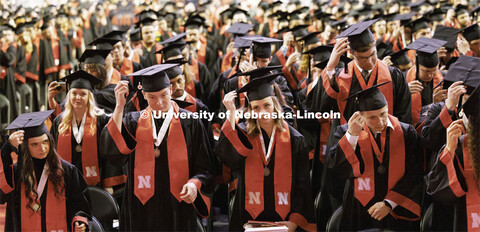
[
  {"x": 354, "y": 139},
  {"x": 182, "y": 98}
]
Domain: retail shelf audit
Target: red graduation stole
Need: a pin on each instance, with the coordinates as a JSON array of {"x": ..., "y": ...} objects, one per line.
[
  {"x": 145, "y": 157},
  {"x": 116, "y": 77},
  {"x": 127, "y": 68},
  {"x": 190, "y": 88},
  {"x": 472, "y": 195},
  {"x": 158, "y": 55},
  {"x": 417, "y": 97},
  {"x": 254, "y": 169},
  {"x": 90, "y": 167},
  {"x": 380, "y": 73},
  {"x": 55, "y": 210},
  {"x": 396, "y": 161},
  {"x": 192, "y": 108}
]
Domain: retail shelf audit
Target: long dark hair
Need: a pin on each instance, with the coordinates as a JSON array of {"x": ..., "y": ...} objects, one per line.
[
  {"x": 27, "y": 172},
  {"x": 473, "y": 140}
]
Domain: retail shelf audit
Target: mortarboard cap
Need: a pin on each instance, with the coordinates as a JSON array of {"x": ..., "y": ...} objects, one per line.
[
  {"x": 436, "y": 15},
  {"x": 239, "y": 29},
  {"x": 82, "y": 80},
  {"x": 154, "y": 78},
  {"x": 259, "y": 72},
  {"x": 92, "y": 56},
  {"x": 135, "y": 34},
  {"x": 259, "y": 88},
  {"x": 194, "y": 22},
  {"x": 299, "y": 30},
  {"x": 450, "y": 62},
  {"x": 461, "y": 9},
  {"x": 20, "y": 28},
  {"x": 359, "y": 35},
  {"x": 178, "y": 61},
  {"x": 261, "y": 46},
  {"x": 383, "y": 49},
  {"x": 405, "y": 18},
  {"x": 418, "y": 24},
  {"x": 174, "y": 39},
  {"x": 465, "y": 69},
  {"x": 32, "y": 123},
  {"x": 472, "y": 104},
  {"x": 104, "y": 44},
  {"x": 171, "y": 50},
  {"x": 320, "y": 53},
  {"x": 427, "y": 50},
  {"x": 369, "y": 99},
  {"x": 174, "y": 71},
  {"x": 472, "y": 32},
  {"x": 114, "y": 35},
  {"x": 415, "y": 6},
  {"x": 146, "y": 21},
  {"x": 241, "y": 42},
  {"x": 310, "y": 38},
  {"x": 448, "y": 34},
  {"x": 400, "y": 58}
]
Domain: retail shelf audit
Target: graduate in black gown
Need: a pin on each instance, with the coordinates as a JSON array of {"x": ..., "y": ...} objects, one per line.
[
  {"x": 453, "y": 179},
  {"x": 77, "y": 134},
  {"x": 364, "y": 71},
  {"x": 271, "y": 159},
  {"x": 169, "y": 174},
  {"x": 57, "y": 193},
  {"x": 384, "y": 174}
]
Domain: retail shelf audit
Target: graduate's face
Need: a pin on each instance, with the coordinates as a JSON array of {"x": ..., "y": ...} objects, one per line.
[
  {"x": 427, "y": 74},
  {"x": 463, "y": 20},
  {"x": 193, "y": 34},
  {"x": 425, "y": 32},
  {"x": 376, "y": 119},
  {"x": 160, "y": 100},
  {"x": 381, "y": 27},
  {"x": 261, "y": 62},
  {"x": 117, "y": 53},
  {"x": 148, "y": 34},
  {"x": 39, "y": 146},
  {"x": 78, "y": 98},
  {"x": 366, "y": 60},
  {"x": 178, "y": 86},
  {"x": 263, "y": 106}
]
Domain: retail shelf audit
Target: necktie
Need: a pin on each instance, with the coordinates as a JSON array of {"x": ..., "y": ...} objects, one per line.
[{"x": 365, "y": 75}]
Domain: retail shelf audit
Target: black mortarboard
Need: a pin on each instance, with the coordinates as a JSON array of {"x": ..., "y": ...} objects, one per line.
[
  {"x": 472, "y": 32},
  {"x": 299, "y": 30},
  {"x": 179, "y": 61},
  {"x": 369, "y": 99},
  {"x": 405, "y": 18},
  {"x": 466, "y": 69},
  {"x": 239, "y": 29},
  {"x": 147, "y": 14},
  {"x": 474, "y": 12},
  {"x": 135, "y": 34},
  {"x": 472, "y": 104},
  {"x": 240, "y": 42},
  {"x": 175, "y": 38},
  {"x": 448, "y": 34},
  {"x": 32, "y": 123},
  {"x": 310, "y": 38},
  {"x": 82, "y": 80},
  {"x": 92, "y": 56},
  {"x": 383, "y": 49},
  {"x": 104, "y": 44},
  {"x": 171, "y": 50},
  {"x": 415, "y": 6},
  {"x": 261, "y": 46},
  {"x": 427, "y": 50},
  {"x": 461, "y": 9},
  {"x": 338, "y": 25},
  {"x": 259, "y": 72},
  {"x": 418, "y": 24},
  {"x": 146, "y": 21},
  {"x": 320, "y": 53},
  {"x": 114, "y": 35},
  {"x": 20, "y": 28},
  {"x": 359, "y": 35},
  {"x": 154, "y": 78},
  {"x": 400, "y": 58},
  {"x": 259, "y": 88},
  {"x": 182, "y": 104},
  {"x": 194, "y": 22},
  {"x": 173, "y": 72},
  {"x": 450, "y": 62},
  {"x": 436, "y": 15}
]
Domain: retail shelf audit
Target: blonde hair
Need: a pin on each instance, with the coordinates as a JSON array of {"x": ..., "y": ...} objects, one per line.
[
  {"x": 67, "y": 116},
  {"x": 253, "y": 128}
]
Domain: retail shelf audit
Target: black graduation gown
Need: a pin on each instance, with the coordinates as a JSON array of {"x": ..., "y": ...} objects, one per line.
[
  {"x": 32, "y": 70},
  {"x": 355, "y": 215},
  {"x": 162, "y": 212},
  {"x": 148, "y": 58},
  {"x": 401, "y": 96},
  {"x": 205, "y": 80},
  {"x": 438, "y": 186},
  {"x": 46, "y": 59},
  {"x": 434, "y": 131},
  {"x": 106, "y": 169},
  {"x": 7, "y": 84},
  {"x": 76, "y": 193},
  {"x": 301, "y": 195}
]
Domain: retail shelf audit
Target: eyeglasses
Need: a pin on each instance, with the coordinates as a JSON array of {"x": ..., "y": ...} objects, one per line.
[{"x": 366, "y": 57}]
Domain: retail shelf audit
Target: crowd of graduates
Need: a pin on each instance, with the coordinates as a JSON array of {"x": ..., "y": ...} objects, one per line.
[{"x": 82, "y": 83}]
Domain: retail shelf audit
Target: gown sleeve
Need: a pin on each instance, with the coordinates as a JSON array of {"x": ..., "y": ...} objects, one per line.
[
  {"x": 402, "y": 97},
  {"x": 434, "y": 132},
  {"x": 6, "y": 171},
  {"x": 233, "y": 146},
  {"x": 78, "y": 201}
]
